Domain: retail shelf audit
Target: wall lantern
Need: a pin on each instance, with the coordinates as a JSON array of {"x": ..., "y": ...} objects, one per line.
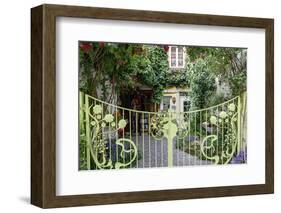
[{"x": 174, "y": 100}]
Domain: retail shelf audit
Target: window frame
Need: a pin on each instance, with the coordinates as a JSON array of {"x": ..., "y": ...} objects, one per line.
[{"x": 177, "y": 57}]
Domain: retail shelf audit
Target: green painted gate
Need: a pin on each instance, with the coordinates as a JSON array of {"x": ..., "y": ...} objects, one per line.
[{"x": 113, "y": 137}]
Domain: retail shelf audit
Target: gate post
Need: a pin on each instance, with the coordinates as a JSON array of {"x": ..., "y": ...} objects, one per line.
[
  {"x": 170, "y": 131},
  {"x": 239, "y": 124},
  {"x": 88, "y": 131}
]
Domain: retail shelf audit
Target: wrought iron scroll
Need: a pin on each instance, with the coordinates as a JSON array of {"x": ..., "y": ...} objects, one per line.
[
  {"x": 98, "y": 148},
  {"x": 118, "y": 141},
  {"x": 227, "y": 123}
]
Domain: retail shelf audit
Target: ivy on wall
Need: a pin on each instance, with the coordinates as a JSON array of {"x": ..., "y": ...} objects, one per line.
[
  {"x": 107, "y": 69},
  {"x": 112, "y": 68}
]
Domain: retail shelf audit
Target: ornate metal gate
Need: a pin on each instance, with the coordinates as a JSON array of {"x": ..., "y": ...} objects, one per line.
[{"x": 113, "y": 137}]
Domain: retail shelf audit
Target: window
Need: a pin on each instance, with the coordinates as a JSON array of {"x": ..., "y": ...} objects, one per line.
[
  {"x": 166, "y": 102},
  {"x": 186, "y": 106},
  {"x": 176, "y": 57}
]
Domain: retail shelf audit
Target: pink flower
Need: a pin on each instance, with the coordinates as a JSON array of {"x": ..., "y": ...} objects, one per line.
[
  {"x": 101, "y": 44},
  {"x": 86, "y": 46},
  {"x": 166, "y": 48}
]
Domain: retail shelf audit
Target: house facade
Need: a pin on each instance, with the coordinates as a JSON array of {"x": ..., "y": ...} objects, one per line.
[{"x": 176, "y": 98}]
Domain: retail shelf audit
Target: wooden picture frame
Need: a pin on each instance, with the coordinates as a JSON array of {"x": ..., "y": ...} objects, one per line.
[{"x": 43, "y": 105}]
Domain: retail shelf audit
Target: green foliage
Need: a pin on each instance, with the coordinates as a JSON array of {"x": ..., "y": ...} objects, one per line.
[
  {"x": 155, "y": 74},
  {"x": 116, "y": 67},
  {"x": 238, "y": 83},
  {"x": 106, "y": 67},
  {"x": 178, "y": 77},
  {"x": 82, "y": 152},
  {"x": 228, "y": 64},
  {"x": 202, "y": 82},
  {"x": 216, "y": 99}
]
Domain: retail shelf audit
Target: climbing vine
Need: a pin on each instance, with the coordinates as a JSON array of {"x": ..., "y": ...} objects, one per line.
[
  {"x": 202, "y": 82},
  {"x": 108, "y": 69}
]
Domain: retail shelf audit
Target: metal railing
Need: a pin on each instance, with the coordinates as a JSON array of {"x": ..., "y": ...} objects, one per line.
[{"x": 114, "y": 137}]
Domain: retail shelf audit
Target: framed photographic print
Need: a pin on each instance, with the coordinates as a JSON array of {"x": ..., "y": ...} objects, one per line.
[{"x": 136, "y": 106}]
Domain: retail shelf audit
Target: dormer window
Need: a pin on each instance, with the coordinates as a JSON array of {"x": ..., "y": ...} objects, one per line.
[{"x": 176, "y": 57}]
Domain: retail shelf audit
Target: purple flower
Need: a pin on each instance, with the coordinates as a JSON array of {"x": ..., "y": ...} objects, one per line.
[{"x": 241, "y": 157}]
